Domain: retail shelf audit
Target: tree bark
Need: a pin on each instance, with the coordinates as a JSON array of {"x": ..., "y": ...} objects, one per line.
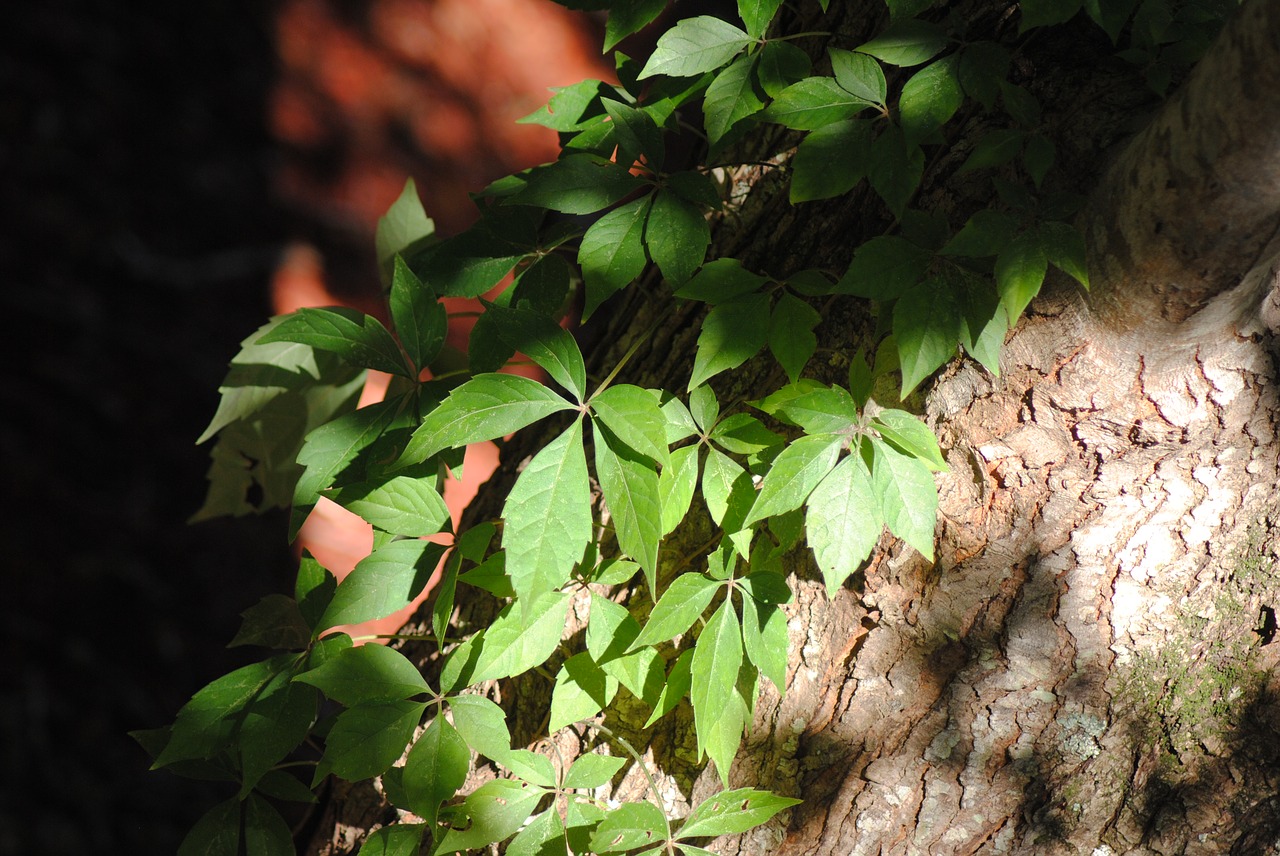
[{"x": 1089, "y": 666}]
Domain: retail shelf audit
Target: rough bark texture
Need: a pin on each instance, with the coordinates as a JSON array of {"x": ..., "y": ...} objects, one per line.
[{"x": 1089, "y": 665}]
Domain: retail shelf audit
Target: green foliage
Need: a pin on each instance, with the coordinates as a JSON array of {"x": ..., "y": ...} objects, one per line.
[{"x": 593, "y": 508}]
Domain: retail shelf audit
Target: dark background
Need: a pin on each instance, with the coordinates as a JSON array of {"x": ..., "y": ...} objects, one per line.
[{"x": 137, "y": 239}]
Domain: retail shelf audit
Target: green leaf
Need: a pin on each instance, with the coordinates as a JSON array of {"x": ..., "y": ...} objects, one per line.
[
  {"x": 629, "y": 826},
  {"x": 368, "y": 673},
  {"x": 436, "y": 767},
  {"x": 582, "y": 689},
  {"x": 217, "y": 833},
  {"x": 565, "y": 109},
  {"x": 545, "y": 342},
  {"x": 398, "y": 839},
  {"x": 794, "y": 475},
  {"x": 694, "y": 46},
  {"x": 731, "y": 812},
  {"x": 495, "y": 810},
  {"x": 697, "y": 187},
  {"x": 724, "y": 733},
  {"x": 265, "y": 831},
  {"x": 612, "y": 252},
  {"x": 1020, "y": 270},
  {"x": 830, "y": 160},
  {"x": 516, "y": 643},
  {"x": 544, "y": 835},
  {"x": 677, "y": 236},
  {"x": 679, "y": 681},
  {"x": 677, "y": 609},
  {"x": 358, "y": 338},
  {"x": 548, "y": 518},
  {"x": 757, "y": 15},
  {"x": 908, "y": 498},
  {"x": 704, "y": 407},
  {"x": 791, "y": 337},
  {"x": 825, "y": 410},
  {"x": 732, "y": 333},
  {"x": 985, "y": 324},
  {"x": 470, "y": 264},
  {"x": 899, "y": 9},
  {"x": 926, "y": 324},
  {"x": 482, "y": 724},
  {"x": 329, "y": 449},
  {"x": 402, "y": 229},
  {"x": 630, "y": 17},
  {"x": 633, "y": 415},
  {"x": 578, "y": 183},
  {"x": 271, "y": 726},
  {"x": 367, "y": 739},
  {"x": 812, "y": 103},
  {"x": 386, "y": 580},
  {"x": 859, "y": 74},
  {"x": 280, "y": 785},
  {"x": 1046, "y": 13},
  {"x": 273, "y": 622},
  {"x": 611, "y": 629},
  {"x": 843, "y": 522},
  {"x": 1020, "y": 104},
  {"x": 1064, "y": 248},
  {"x": 906, "y": 43},
  {"x": 420, "y": 320},
  {"x": 403, "y": 505},
  {"x": 637, "y": 134},
  {"x": 743, "y": 434},
  {"x": 985, "y": 234},
  {"x": 894, "y": 169},
  {"x": 929, "y": 99},
  {"x": 592, "y": 771},
  {"x": 676, "y": 485},
  {"x": 732, "y": 96},
  {"x": 728, "y": 492},
  {"x": 544, "y": 285},
  {"x": 1110, "y": 15},
  {"x": 720, "y": 281},
  {"x": 764, "y": 638},
  {"x": 781, "y": 64},
  {"x": 983, "y": 65},
  {"x": 910, "y": 436},
  {"x": 1039, "y": 157},
  {"x": 630, "y": 487},
  {"x": 484, "y": 408},
  {"x": 714, "y": 670},
  {"x": 996, "y": 148}
]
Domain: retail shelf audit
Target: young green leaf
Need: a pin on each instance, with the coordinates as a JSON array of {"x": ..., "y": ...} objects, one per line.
[
  {"x": 906, "y": 43},
  {"x": 612, "y": 251},
  {"x": 704, "y": 407},
  {"x": 781, "y": 64},
  {"x": 436, "y": 767},
  {"x": 329, "y": 449},
  {"x": 368, "y": 673},
  {"x": 402, "y": 505},
  {"x": 908, "y": 498},
  {"x": 812, "y": 103},
  {"x": 611, "y": 629},
  {"x": 386, "y": 580},
  {"x": 714, "y": 670},
  {"x": 859, "y": 74},
  {"x": 633, "y": 415},
  {"x": 398, "y": 839},
  {"x": 843, "y": 521},
  {"x": 926, "y": 324},
  {"x": 482, "y": 724},
  {"x": 894, "y": 169},
  {"x": 764, "y": 638},
  {"x": 565, "y": 110},
  {"x": 677, "y": 609},
  {"x": 757, "y": 15},
  {"x": 732, "y": 333},
  {"x": 367, "y": 739},
  {"x": 694, "y": 46},
  {"x": 544, "y": 835},
  {"x": 727, "y": 491},
  {"x": 483, "y": 408},
  {"x": 630, "y": 487},
  {"x": 791, "y": 337},
  {"x": 470, "y": 264},
  {"x": 592, "y": 771},
  {"x": 578, "y": 183},
  {"x": 1020, "y": 271},
  {"x": 731, "y": 812},
  {"x": 628, "y": 18},
  {"x": 548, "y": 518},
  {"x": 720, "y": 281},
  {"x": 733, "y": 95},
  {"x": 545, "y": 342},
  {"x": 929, "y": 99},
  {"x": 358, "y": 338},
  {"x": 637, "y": 134},
  {"x": 743, "y": 434},
  {"x": 518, "y": 640},
  {"x": 420, "y": 320},
  {"x": 679, "y": 680},
  {"x": 582, "y": 689},
  {"x": 676, "y": 485},
  {"x": 677, "y": 236},
  {"x": 830, "y": 160},
  {"x": 794, "y": 475},
  {"x": 404, "y": 228},
  {"x": 629, "y": 826},
  {"x": 495, "y": 810},
  {"x": 909, "y": 435},
  {"x": 824, "y": 410}
]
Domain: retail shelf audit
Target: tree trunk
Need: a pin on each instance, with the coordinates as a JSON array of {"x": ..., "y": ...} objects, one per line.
[{"x": 1089, "y": 665}]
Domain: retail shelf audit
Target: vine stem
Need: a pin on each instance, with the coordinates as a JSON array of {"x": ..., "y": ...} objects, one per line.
[
  {"x": 631, "y": 352},
  {"x": 653, "y": 785}
]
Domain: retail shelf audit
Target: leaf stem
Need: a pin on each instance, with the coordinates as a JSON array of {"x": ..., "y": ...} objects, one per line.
[
  {"x": 653, "y": 785},
  {"x": 631, "y": 352}
]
